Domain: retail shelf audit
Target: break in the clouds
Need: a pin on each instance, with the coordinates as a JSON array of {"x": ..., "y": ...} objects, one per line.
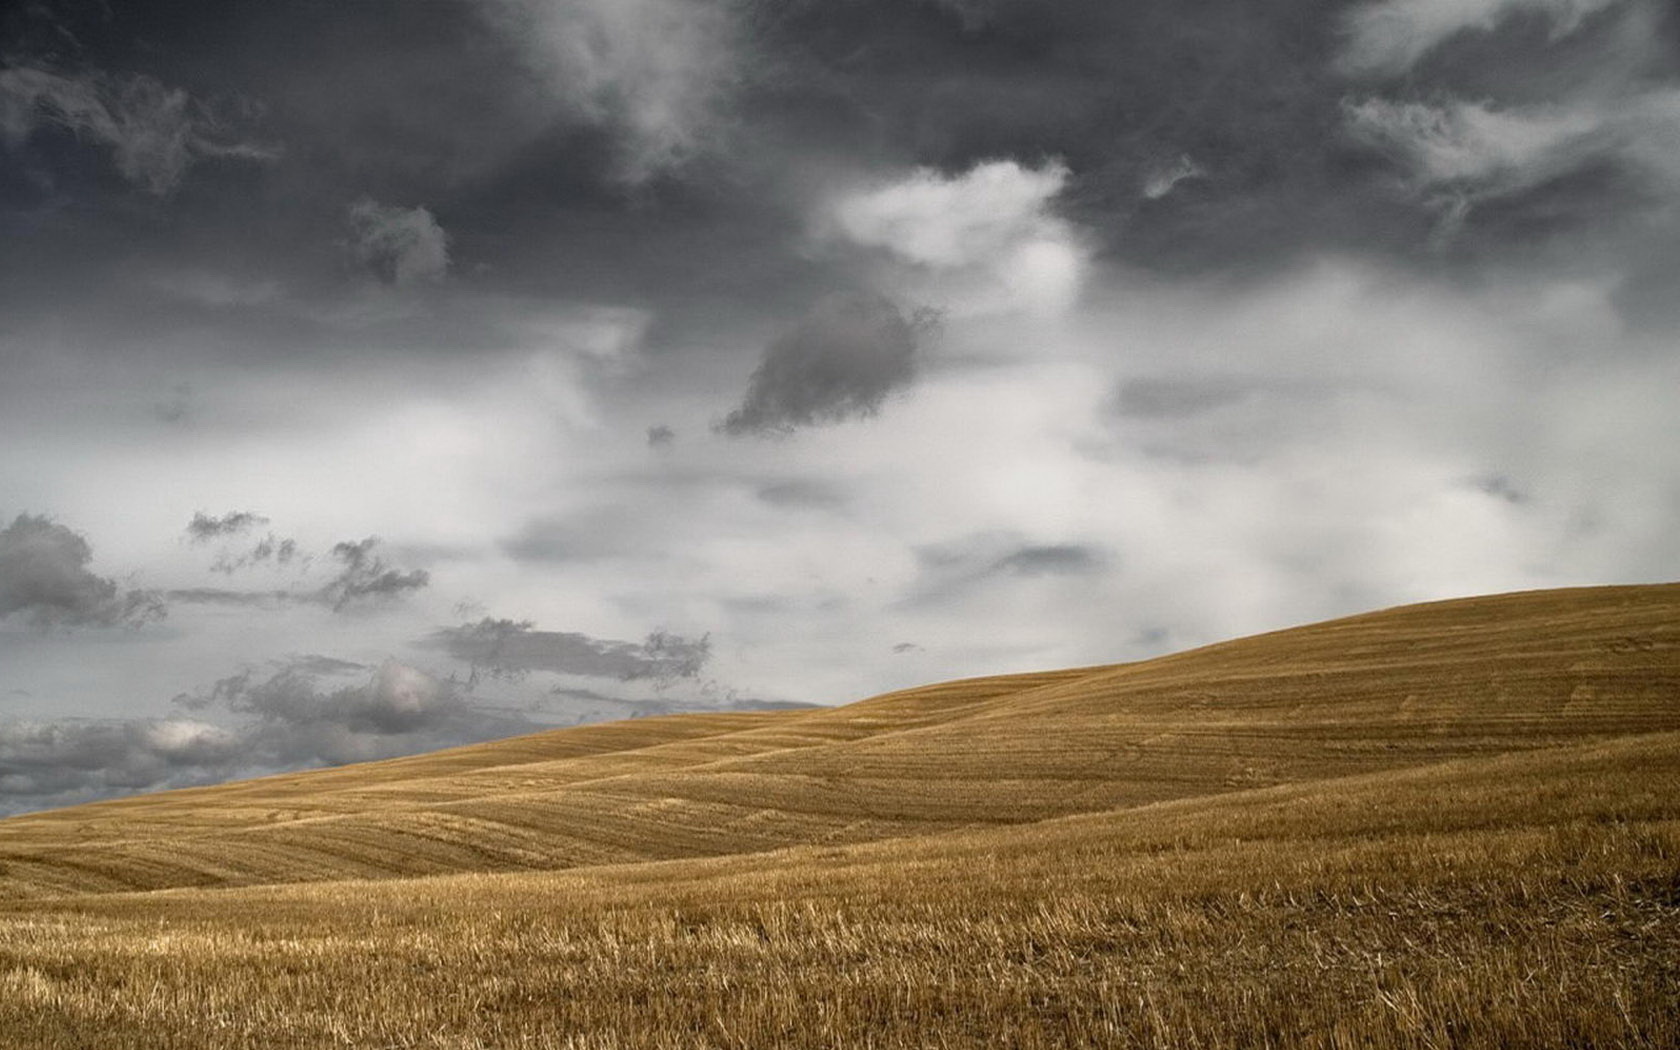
[
  {"x": 45, "y": 580},
  {"x": 1096, "y": 330},
  {"x": 155, "y": 133},
  {"x": 840, "y": 362}
]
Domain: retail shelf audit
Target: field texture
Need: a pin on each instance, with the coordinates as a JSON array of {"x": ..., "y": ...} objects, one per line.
[{"x": 1455, "y": 824}]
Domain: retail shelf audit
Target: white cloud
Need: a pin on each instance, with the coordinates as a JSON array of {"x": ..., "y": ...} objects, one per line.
[
  {"x": 655, "y": 70},
  {"x": 1165, "y": 178},
  {"x": 1390, "y": 36},
  {"x": 400, "y": 245},
  {"x": 986, "y": 241},
  {"x": 155, "y": 133},
  {"x": 1459, "y": 153},
  {"x": 1472, "y": 142}
]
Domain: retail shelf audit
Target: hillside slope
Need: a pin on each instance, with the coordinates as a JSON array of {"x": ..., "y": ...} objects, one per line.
[
  {"x": 1529, "y": 899},
  {"x": 1405, "y": 687}
]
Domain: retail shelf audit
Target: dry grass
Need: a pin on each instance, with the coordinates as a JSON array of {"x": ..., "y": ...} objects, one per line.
[{"x": 1450, "y": 825}]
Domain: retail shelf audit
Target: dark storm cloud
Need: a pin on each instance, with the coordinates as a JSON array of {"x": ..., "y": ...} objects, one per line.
[
  {"x": 510, "y": 648},
  {"x": 44, "y": 578},
  {"x": 205, "y": 527},
  {"x": 1216, "y": 142},
  {"x": 839, "y": 363},
  {"x": 155, "y": 133}
]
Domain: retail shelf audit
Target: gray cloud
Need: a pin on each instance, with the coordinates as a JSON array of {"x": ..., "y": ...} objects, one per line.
[
  {"x": 840, "y": 362},
  {"x": 44, "y": 577},
  {"x": 802, "y": 492},
  {"x": 1053, "y": 560},
  {"x": 952, "y": 570},
  {"x": 271, "y": 549},
  {"x": 1168, "y": 397},
  {"x": 510, "y": 648},
  {"x": 155, "y": 133},
  {"x": 401, "y": 246},
  {"x": 661, "y": 436},
  {"x": 205, "y": 527},
  {"x": 282, "y": 718},
  {"x": 61, "y": 763},
  {"x": 178, "y": 407},
  {"x": 365, "y": 576},
  {"x": 226, "y": 596}
]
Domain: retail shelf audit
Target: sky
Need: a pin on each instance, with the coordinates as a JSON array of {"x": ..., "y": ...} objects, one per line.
[{"x": 384, "y": 376}]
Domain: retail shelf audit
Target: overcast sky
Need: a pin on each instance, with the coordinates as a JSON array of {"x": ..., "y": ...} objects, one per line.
[{"x": 387, "y": 375}]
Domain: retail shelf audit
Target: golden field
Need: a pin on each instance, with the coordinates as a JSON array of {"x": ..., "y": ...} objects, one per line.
[{"x": 1454, "y": 824}]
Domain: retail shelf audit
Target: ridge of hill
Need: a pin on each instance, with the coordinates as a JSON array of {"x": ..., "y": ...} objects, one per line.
[{"x": 1407, "y": 687}]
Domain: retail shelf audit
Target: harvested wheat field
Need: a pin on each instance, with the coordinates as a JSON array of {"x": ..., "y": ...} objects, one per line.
[{"x": 1454, "y": 824}]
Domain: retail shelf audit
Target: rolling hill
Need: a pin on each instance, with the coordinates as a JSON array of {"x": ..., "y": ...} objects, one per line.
[
  {"x": 1381, "y": 691},
  {"x": 1452, "y": 824}
]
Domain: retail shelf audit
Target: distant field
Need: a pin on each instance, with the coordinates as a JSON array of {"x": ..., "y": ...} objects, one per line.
[{"x": 1454, "y": 824}]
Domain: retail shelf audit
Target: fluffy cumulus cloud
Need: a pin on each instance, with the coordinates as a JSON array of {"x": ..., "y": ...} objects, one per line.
[
  {"x": 840, "y": 362},
  {"x": 45, "y": 580},
  {"x": 1390, "y": 36},
  {"x": 400, "y": 246},
  {"x": 155, "y": 133},
  {"x": 985, "y": 241}
]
